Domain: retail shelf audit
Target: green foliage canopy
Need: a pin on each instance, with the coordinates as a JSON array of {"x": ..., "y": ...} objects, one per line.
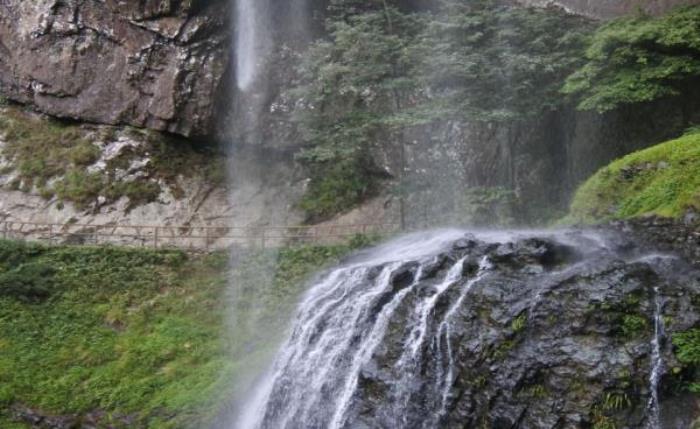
[
  {"x": 383, "y": 70},
  {"x": 639, "y": 59}
]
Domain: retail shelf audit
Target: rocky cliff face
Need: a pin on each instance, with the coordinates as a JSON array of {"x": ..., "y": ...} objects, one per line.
[
  {"x": 498, "y": 330},
  {"x": 542, "y": 159},
  {"x": 606, "y": 9},
  {"x": 152, "y": 64}
]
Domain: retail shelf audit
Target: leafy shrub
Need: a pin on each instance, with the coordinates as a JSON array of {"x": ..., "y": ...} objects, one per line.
[
  {"x": 688, "y": 346},
  {"x": 32, "y": 282},
  {"x": 687, "y": 350},
  {"x": 634, "y": 325},
  {"x": 337, "y": 188},
  {"x": 14, "y": 253}
]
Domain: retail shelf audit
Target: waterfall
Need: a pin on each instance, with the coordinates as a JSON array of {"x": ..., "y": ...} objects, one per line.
[
  {"x": 343, "y": 322},
  {"x": 444, "y": 332},
  {"x": 339, "y": 325},
  {"x": 657, "y": 365},
  {"x": 406, "y": 335},
  {"x": 251, "y": 40}
]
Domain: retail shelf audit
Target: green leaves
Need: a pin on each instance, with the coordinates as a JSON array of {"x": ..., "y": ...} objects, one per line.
[
  {"x": 383, "y": 71},
  {"x": 351, "y": 85},
  {"x": 688, "y": 346},
  {"x": 496, "y": 63},
  {"x": 640, "y": 59}
]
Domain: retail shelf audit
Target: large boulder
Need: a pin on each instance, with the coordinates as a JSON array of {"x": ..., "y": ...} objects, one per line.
[{"x": 153, "y": 64}]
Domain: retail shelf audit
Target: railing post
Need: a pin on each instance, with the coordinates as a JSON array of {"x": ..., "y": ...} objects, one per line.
[
  {"x": 155, "y": 238},
  {"x": 206, "y": 238}
]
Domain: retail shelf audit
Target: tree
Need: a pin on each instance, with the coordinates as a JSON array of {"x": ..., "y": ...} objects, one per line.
[
  {"x": 383, "y": 71},
  {"x": 639, "y": 59},
  {"x": 498, "y": 63},
  {"x": 350, "y": 83}
]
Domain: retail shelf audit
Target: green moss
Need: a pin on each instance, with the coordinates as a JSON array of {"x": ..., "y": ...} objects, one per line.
[
  {"x": 51, "y": 157},
  {"x": 140, "y": 333},
  {"x": 536, "y": 391},
  {"x": 663, "y": 180},
  {"x": 500, "y": 351}
]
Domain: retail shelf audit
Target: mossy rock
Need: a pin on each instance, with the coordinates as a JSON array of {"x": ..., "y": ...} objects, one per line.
[{"x": 663, "y": 180}]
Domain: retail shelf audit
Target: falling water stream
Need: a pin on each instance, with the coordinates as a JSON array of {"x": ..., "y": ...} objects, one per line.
[
  {"x": 657, "y": 364},
  {"x": 251, "y": 29}
]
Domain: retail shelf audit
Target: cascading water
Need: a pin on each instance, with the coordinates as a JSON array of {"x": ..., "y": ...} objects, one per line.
[
  {"x": 657, "y": 364},
  {"x": 380, "y": 341},
  {"x": 252, "y": 43}
]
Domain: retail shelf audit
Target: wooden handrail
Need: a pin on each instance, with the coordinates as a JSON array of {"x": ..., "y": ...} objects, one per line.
[{"x": 174, "y": 235}]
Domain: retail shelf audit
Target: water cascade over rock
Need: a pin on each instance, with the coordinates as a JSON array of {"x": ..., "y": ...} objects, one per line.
[{"x": 451, "y": 329}]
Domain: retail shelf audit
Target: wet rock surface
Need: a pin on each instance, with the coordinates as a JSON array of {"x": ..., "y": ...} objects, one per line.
[
  {"x": 680, "y": 237},
  {"x": 519, "y": 331},
  {"x": 152, "y": 64}
]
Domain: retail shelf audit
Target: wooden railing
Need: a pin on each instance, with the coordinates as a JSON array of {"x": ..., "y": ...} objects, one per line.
[{"x": 186, "y": 236}]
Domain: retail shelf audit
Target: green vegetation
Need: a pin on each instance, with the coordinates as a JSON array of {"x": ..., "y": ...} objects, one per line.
[
  {"x": 640, "y": 59},
  {"x": 603, "y": 413},
  {"x": 687, "y": 350},
  {"x": 350, "y": 85},
  {"x": 52, "y": 157},
  {"x": 519, "y": 323},
  {"x": 383, "y": 71},
  {"x": 634, "y": 326},
  {"x": 139, "y": 335},
  {"x": 663, "y": 180},
  {"x": 616, "y": 401}
]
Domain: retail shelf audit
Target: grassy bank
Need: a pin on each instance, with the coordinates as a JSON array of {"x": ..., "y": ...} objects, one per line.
[
  {"x": 663, "y": 180},
  {"x": 137, "y": 338}
]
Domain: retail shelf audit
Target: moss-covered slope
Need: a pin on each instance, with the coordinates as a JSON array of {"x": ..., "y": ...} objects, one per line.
[
  {"x": 663, "y": 180},
  {"x": 134, "y": 338}
]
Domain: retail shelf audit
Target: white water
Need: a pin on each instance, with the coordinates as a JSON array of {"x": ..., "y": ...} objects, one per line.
[
  {"x": 344, "y": 320},
  {"x": 445, "y": 332},
  {"x": 340, "y": 323},
  {"x": 657, "y": 365},
  {"x": 251, "y": 27}
]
